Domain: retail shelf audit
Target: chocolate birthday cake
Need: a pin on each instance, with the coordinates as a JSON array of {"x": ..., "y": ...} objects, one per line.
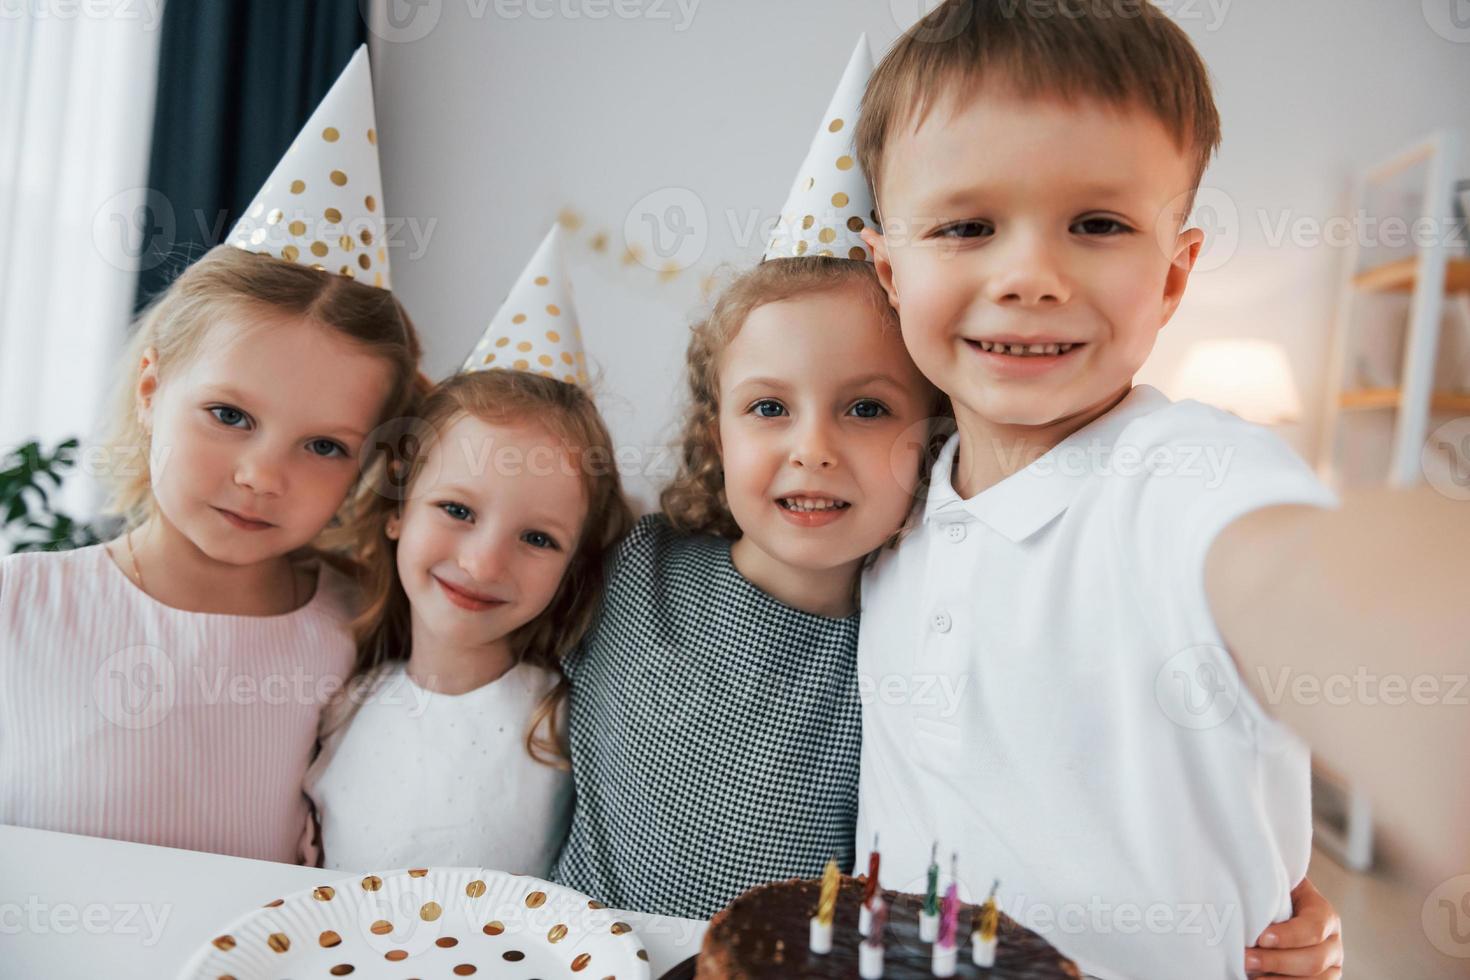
[{"x": 764, "y": 933}]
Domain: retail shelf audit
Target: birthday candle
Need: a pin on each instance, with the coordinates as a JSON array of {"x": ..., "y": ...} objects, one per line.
[
  {"x": 821, "y": 923},
  {"x": 870, "y": 891},
  {"x": 880, "y": 921},
  {"x": 931, "y": 895},
  {"x": 987, "y": 925},
  {"x": 929, "y": 914},
  {"x": 949, "y": 919},
  {"x": 872, "y": 886},
  {"x": 943, "y": 959},
  {"x": 827, "y": 903},
  {"x": 990, "y": 915},
  {"x": 870, "y": 952}
]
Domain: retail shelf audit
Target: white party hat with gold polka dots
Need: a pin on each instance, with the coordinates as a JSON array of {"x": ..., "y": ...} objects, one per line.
[
  {"x": 536, "y": 328},
  {"x": 829, "y": 203},
  {"x": 323, "y": 204}
]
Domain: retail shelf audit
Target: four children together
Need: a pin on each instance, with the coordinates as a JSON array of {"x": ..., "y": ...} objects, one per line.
[{"x": 878, "y": 480}]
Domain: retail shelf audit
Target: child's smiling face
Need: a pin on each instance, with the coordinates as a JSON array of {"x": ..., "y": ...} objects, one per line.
[
  {"x": 1012, "y": 221},
  {"x": 819, "y": 428},
  {"x": 490, "y": 526}
]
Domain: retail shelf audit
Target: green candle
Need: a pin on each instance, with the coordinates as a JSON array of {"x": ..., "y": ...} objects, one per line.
[{"x": 931, "y": 896}]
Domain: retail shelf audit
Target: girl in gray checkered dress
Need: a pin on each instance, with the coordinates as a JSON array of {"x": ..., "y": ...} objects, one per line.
[{"x": 715, "y": 719}]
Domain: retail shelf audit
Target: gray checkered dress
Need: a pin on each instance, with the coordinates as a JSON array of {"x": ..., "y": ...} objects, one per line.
[{"x": 715, "y": 734}]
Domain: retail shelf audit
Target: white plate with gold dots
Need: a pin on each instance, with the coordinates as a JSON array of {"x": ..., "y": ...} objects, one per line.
[{"x": 427, "y": 923}]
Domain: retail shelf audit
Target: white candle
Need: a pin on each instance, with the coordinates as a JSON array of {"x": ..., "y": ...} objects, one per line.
[
  {"x": 870, "y": 961},
  {"x": 982, "y": 951},
  {"x": 942, "y": 963},
  {"x": 821, "y": 936},
  {"x": 928, "y": 927}
]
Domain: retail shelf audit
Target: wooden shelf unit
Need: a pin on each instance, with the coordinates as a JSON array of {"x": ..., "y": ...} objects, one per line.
[
  {"x": 1427, "y": 279},
  {"x": 1400, "y": 277},
  {"x": 1360, "y": 399}
]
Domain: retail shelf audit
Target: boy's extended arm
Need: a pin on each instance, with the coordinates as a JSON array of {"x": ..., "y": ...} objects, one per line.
[{"x": 1352, "y": 626}]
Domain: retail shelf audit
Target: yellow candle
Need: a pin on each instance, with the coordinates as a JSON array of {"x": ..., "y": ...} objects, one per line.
[
  {"x": 827, "y": 903},
  {"x": 989, "y": 917}
]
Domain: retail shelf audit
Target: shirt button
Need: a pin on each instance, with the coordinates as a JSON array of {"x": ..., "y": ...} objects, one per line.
[
  {"x": 955, "y": 533},
  {"x": 940, "y": 622}
]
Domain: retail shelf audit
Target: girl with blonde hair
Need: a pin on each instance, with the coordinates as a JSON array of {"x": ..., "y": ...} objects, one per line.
[{"x": 165, "y": 686}]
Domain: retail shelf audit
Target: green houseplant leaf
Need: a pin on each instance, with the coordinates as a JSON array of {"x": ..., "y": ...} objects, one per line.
[{"x": 30, "y": 522}]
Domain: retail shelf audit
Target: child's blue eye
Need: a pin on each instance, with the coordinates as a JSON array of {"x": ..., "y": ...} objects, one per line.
[
  {"x": 218, "y": 411},
  {"x": 867, "y": 408},
  {"x": 760, "y": 407},
  {"x": 539, "y": 539},
  {"x": 1101, "y": 226},
  {"x": 231, "y": 417},
  {"x": 340, "y": 449},
  {"x": 966, "y": 229},
  {"x": 454, "y": 510}
]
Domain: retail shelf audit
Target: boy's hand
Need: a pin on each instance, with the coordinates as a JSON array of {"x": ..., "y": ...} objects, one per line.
[{"x": 1309, "y": 944}]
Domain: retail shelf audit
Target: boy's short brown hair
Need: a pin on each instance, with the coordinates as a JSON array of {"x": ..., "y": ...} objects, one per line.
[{"x": 1122, "y": 52}]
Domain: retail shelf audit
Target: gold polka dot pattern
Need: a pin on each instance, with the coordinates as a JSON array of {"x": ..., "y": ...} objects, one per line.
[
  {"x": 829, "y": 202},
  {"x": 440, "y": 922},
  {"x": 320, "y": 205},
  {"x": 539, "y": 318}
]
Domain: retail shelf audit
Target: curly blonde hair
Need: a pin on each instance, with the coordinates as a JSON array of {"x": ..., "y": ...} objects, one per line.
[
  {"x": 383, "y": 629},
  {"x": 694, "y": 501},
  {"x": 180, "y": 321}
]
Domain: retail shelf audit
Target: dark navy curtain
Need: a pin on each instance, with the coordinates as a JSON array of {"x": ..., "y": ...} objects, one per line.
[{"x": 237, "y": 80}]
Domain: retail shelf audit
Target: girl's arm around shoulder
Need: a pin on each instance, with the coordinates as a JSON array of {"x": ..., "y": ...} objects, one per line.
[
  {"x": 643, "y": 555},
  {"x": 636, "y": 567},
  {"x": 651, "y": 533}
]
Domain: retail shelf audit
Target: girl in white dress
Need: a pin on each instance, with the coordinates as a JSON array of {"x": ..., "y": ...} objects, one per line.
[{"x": 446, "y": 748}]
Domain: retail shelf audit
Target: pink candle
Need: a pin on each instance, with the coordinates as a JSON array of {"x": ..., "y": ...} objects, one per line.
[{"x": 949, "y": 915}]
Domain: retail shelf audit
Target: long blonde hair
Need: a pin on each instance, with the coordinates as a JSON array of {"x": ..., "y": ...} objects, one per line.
[
  {"x": 179, "y": 322},
  {"x": 694, "y": 501},
  {"x": 499, "y": 397}
]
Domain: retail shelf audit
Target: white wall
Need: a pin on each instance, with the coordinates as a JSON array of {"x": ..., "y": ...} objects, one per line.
[{"x": 496, "y": 116}]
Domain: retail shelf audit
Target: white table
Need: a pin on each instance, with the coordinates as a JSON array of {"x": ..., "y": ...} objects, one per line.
[{"x": 75, "y": 906}]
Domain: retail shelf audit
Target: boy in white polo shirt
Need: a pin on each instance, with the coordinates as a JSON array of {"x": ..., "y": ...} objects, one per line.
[{"x": 1048, "y": 688}]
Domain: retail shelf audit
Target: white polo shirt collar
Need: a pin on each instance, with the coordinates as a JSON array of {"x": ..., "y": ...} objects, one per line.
[{"x": 1027, "y": 500}]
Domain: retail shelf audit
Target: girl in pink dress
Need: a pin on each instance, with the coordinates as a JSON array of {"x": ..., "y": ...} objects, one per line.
[{"x": 165, "y": 686}]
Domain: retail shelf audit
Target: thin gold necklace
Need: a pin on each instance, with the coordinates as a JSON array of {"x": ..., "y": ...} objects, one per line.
[{"x": 138, "y": 572}]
